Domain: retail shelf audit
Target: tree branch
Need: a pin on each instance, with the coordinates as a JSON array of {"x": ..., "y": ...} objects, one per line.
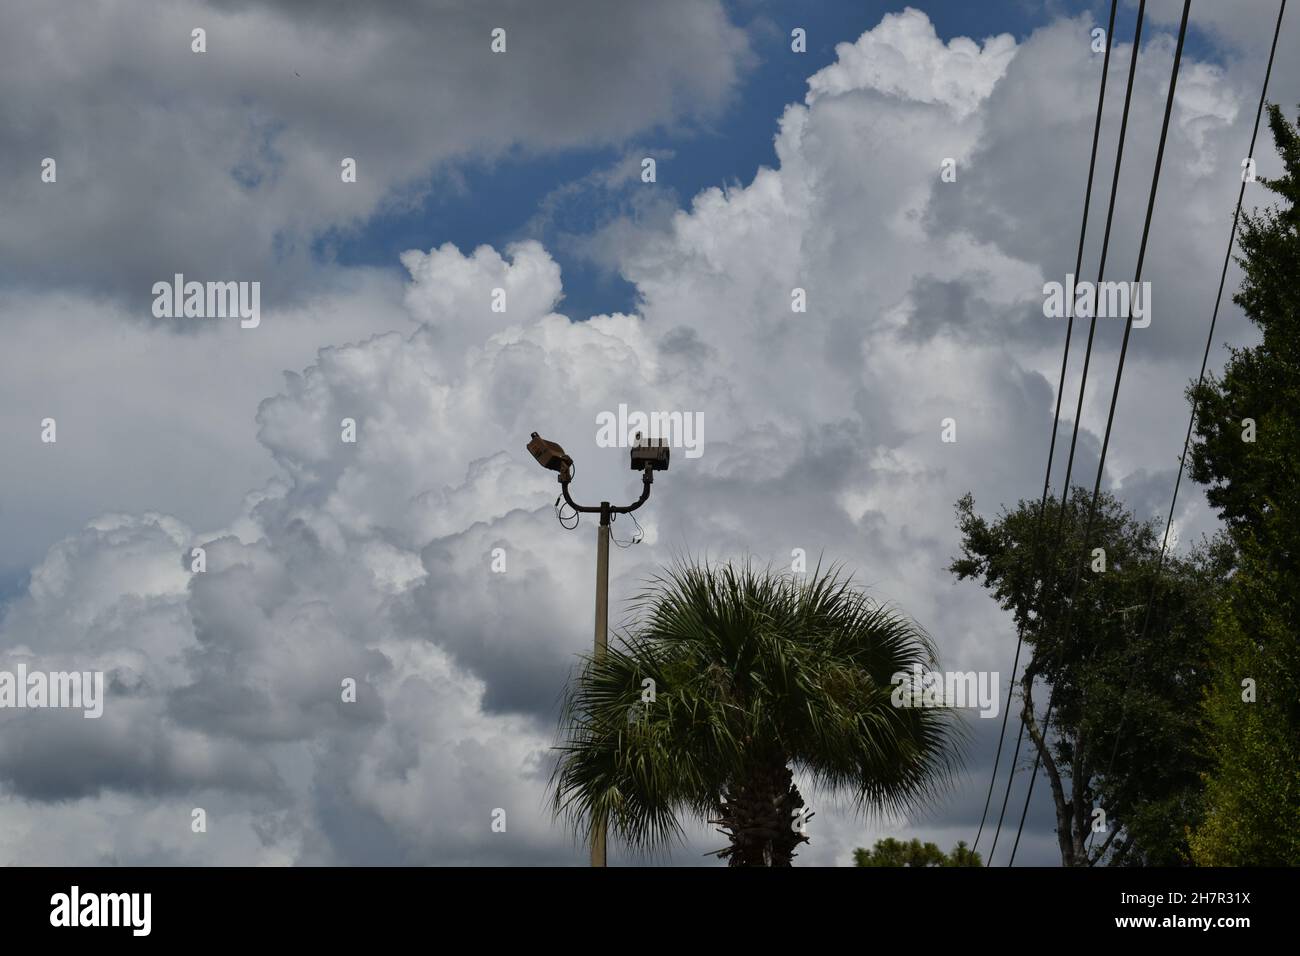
[{"x": 1063, "y": 828}]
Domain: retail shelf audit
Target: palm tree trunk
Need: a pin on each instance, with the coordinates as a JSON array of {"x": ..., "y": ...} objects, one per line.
[{"x": 759, "y": 813}]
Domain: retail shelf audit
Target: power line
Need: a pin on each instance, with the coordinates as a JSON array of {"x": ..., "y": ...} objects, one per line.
[
  {"x": 1205, "y": 358},
  {"x": 1087, "y": 359},
  {"x": 1056, "y": 418},
  {"x": 1114, "y": 398}
]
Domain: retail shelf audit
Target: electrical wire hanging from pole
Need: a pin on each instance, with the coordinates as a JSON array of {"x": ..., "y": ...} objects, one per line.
[
  {"x": 1087, "y": 360},
  {"x": 1200, "y": 379},
  {"x": 1114, "y": 398},
  {"x": 1056, "y": 419}
]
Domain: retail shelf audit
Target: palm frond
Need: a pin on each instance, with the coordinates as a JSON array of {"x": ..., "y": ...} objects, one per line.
[{"x": 747, "y": 663}]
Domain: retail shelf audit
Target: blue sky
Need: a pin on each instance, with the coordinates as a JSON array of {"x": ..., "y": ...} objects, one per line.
[{"x": 494, "y": 200}]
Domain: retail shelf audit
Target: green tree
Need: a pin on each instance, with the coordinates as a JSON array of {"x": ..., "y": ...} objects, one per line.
[
  {"x": 891, "y": 852},
  {"x": 1125, "y": 728},
  {"x": 1253, "y": 787},
  {"x": 754, "y": 675}
]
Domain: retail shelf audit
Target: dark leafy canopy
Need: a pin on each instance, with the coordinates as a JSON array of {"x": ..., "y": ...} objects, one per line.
[
  {"x": 1256, "y": 485},
  {"x": 751, "y": 670},
  {"x": 891, "y": 852},
  {"x": 1114, "y": 693},
  {"x": 1253, "y": 789}
]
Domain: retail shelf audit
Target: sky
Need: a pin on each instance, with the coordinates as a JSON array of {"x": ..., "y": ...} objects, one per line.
[{"x": 423, "y": 560}]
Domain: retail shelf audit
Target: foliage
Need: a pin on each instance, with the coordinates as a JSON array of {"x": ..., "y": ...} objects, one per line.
[
  {"x": 1126, "y": 729},
  {"x": 891, "y": 852},
  {"x": 1253, "y": 785},
  {"x": 754, "y": 674}
]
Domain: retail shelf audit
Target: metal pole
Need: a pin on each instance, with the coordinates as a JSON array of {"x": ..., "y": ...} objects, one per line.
[
  {"x": 602, "y": 631},
  {"x": 598, "y": 824}
]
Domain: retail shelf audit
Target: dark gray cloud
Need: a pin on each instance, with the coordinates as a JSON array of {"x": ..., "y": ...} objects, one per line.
[{"x": 226, "y": 164}]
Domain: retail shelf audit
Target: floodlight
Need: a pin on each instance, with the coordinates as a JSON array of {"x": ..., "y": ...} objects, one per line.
[
  {"x": 651, "y": 453},
  {"x": 548, "y": 454}
]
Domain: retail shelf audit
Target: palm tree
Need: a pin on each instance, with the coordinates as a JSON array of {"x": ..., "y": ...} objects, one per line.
[{"x": 752, "y": 675}]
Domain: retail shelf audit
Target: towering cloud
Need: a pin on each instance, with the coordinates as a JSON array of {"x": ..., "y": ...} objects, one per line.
[{"x": 372, "y": 561}]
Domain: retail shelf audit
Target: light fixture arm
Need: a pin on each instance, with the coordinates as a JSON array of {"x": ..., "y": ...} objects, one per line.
[{"x": 604, "y": 509}]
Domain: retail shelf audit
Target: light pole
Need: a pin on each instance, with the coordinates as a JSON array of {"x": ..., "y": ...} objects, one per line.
[{"x": 646, "y": 458}]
